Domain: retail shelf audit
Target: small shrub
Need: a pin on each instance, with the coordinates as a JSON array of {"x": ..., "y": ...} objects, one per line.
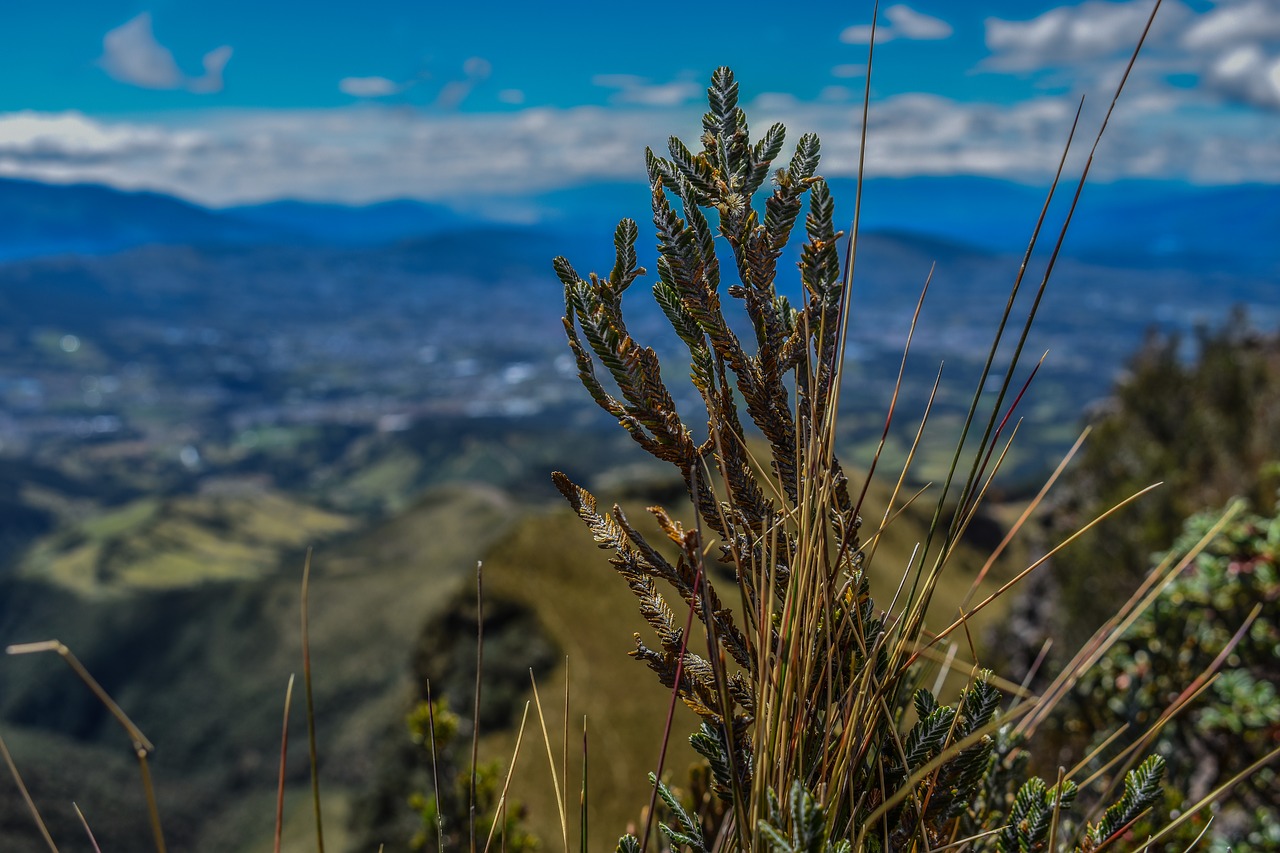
[
  {"x": 817, "y": 733},
  {"x": 1222, "y": 607},
  {"x": 1202, "y": 419}
]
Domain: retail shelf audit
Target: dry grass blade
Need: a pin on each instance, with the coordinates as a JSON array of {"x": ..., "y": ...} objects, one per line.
[
  {"x": 962, "y": 843},
  {"x": 970, "y": 507},
  {"x": 284, "y": 755},
  {"x": 551, "y": 762},
  {"x": 1194, "y": 845},
  {"x": 311, "y": 706},
  {"x": 1057, "y": 811},
  {"x": 1212, "y": 797},
  {"x": 1022, "y": 518},
  {"x": 1097, "y": 751},
  {"x": 911, "y": 627},
  {"x": 897, "y": 389},
  {"x": 1120, "y": 833},
  {"x": 1031, "y": 568},
  {"x": 500, "y": 811},
  {"x": 135, "y": 734},
  {"x": 583, "y": 799},
  {"x": 149, "y": 789},
  {"x": 564, "y": 744},
  {"x": 141, "y": 745},
  {"x": 435, "y": 768},
  {"x": 1113, "y": 629},
  {"x": 1181, "y": 702},
  {"x": 87, "y": 831},
  {"x": 874, "y": 541},
  {"x": 1127, "y": 756},
  {"x": 1019, "y": 691},
  {"x": 26, "y": 796},
  {"x": 851, "y": 254}
]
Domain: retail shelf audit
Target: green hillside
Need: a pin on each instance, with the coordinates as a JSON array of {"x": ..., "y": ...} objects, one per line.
[{"x": 202, "y": 668}]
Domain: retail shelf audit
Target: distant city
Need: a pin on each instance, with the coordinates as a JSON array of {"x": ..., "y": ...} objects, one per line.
[{"x": 147, "y": 342}]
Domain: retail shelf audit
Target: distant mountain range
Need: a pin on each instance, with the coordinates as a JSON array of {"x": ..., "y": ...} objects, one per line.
[
  {"x": 1148, "y": 224},
  {"x": 40, "y": 220}
]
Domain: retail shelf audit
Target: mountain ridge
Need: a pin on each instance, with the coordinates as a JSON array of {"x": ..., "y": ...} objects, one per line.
[{"x": 1133, "y": 223}]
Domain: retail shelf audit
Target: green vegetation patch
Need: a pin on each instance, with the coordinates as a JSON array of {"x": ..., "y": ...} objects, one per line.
[{"x": 180, "y": 542}]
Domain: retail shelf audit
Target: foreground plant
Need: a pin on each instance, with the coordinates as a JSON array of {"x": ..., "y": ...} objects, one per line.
[{"x": 817, "y": 733}]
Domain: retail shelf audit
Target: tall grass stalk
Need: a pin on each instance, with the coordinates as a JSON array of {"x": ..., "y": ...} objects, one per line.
[
  {"x": 500, "y": 809},
  {"x": 551, "y": 764},
  {"x": 284, "y": 756}
]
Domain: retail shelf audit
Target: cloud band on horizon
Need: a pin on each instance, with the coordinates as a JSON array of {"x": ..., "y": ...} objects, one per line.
[{"x": 371, "y": 152}]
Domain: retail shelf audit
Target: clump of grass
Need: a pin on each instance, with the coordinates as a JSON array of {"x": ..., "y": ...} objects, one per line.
[{"x": 817, "y": 727}]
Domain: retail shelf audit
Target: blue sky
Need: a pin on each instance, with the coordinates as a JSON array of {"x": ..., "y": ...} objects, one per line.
[{"x": 239, "y": 101}]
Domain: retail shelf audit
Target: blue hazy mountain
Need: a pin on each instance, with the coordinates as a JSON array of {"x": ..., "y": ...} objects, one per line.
[
  {"x": 1148, "y": 224},
  {"x": 41, "y": 220},
  {"x": 1125, "y": 223},
  {"x": 1131, "y": 223},
  {"x": 353, "y": 226},
  {"x": 38, "y": 219},
  {"x": 1206, "y": 229}
]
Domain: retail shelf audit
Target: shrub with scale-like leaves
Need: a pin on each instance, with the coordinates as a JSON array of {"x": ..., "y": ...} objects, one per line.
[{"x": 808, "y": 688}]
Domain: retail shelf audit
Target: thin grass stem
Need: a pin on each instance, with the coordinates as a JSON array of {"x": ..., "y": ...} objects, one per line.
[
  {"x": 499, "y": 816},
  {"x": 475, "y": 724},
  {"x": 551, "y": 762},
  {"x": 284, "y": 755},
  {"x": 313, "y": 752},
  {"x": 87, "y": 831},
  {"x": 26, "y": 796}
]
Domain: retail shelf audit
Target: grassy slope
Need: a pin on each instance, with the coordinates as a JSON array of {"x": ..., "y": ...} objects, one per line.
[
  {"x": 551, "y": 563},
  {"x": 202, "y": 670},
  {"x": 179, "y": 542}
]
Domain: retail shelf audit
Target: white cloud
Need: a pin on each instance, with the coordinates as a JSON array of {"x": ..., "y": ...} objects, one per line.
[
  {"x": 475, "y": 71},
  {"x": 477, "y": 67},
  {"x": 1231, "y": 49},
  {"x": 849, "y": 70},
  {"x": 511, "y": 96},
  {"x": 1229, "y": 25},
  {"x": 1248, "y": 75},
  {"x": 214, "y": 62},
  {"x": 903, "y": 22},
  {"x": 368, "y": 87},
  {"x": 640, "y": 91},
  {"x": 1236, "y": 47},
  {"x": 370, "y": 152},
  {"x": 1069, "y": 35},
  {"x": 131, "y": 54},
  {"x": 73, "y": 138}
]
